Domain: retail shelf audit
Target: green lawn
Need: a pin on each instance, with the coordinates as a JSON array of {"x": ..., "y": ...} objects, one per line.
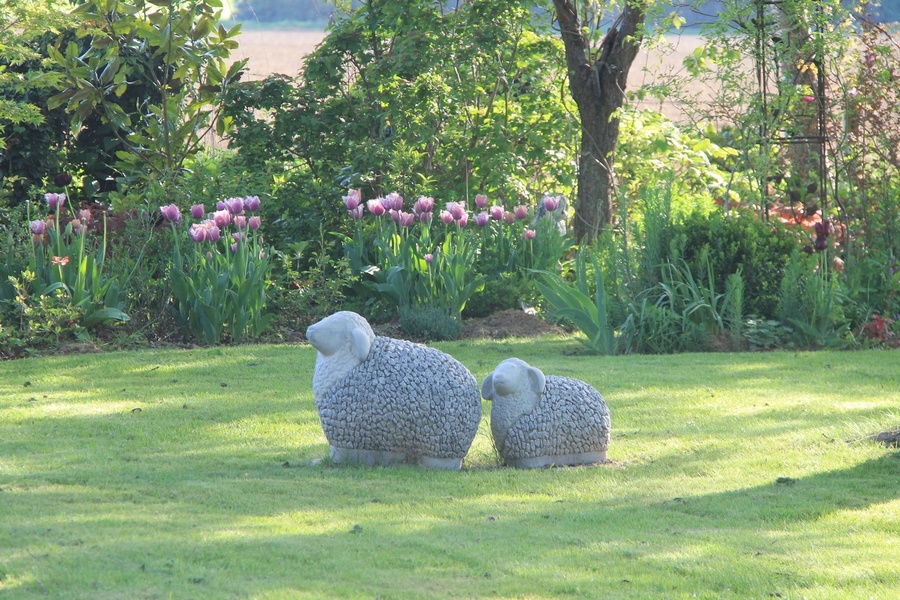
[{"x": 204, "y": 474}]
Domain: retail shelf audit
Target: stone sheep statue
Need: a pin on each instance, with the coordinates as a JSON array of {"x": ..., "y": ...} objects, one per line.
[
  {"x": 384, "y": 401},
  {"x": 540, "y": 421}
]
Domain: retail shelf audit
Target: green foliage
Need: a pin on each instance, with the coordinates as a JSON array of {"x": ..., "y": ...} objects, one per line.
[
  {"x": 429, "y": 323},
  {"x": 179, "y": 49},
  {"x": 589, "y": 312},
  {"x": 811, "y": 302}
]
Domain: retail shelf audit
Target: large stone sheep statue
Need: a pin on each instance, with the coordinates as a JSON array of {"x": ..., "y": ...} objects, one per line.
[
  {"x": 540, "y": 421},
  {"x": 384, "y": 401}
]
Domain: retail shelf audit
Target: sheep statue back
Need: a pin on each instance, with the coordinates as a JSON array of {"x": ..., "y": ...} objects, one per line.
[
  {"x": 540, "y": 421},
  {"x": 383, "y": 401}
]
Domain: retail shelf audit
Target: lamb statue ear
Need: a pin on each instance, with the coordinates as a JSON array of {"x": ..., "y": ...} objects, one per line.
[
  {"x": 536, "y": 379},
  {"x": 487, "y": 387},
  {"x": 360, "y": 345}
]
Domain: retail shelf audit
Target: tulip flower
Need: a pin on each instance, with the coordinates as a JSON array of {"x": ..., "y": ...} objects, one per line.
[
  {"x": 170, "y": 213},
  {"x": 481, "y": 201},
  {"x": 496, "y": 212},
  {"x": 198, "y": 233},
  {"x": 240, "y": 221},
  {"x": 482, "y": 218},
  {"x": 251, "y": 203},
  {"x": 197, "y": 211},
  {"x": 406, "y": 219},
  {"x": 54, "y": 200},
  {"x": 376, "y": 207},
  {"x": 529, "y": 234},
  {"x": 355, "y": 213},
  {"x": 521, "y": 212},
  {"x": 38, "y": 227},
  {"x": 429, "y": 257},
  {"x": 222, "y": 218},
  {"x": 235, "y": 205},
  {"x": 551, "y": 203},
  {"x": 456, "y": 210},
  {"x": 62, "y": 180},
  {"x": 808, "y": 99},
  {"x": 509, "y": 217},
  {"x": 393, "y": 201},
  {"x": 446, "y": 217},
  {"x": 77, "y": 226},
  {"x": 352, "y": 199},
  {"x": 424, "y": 204},
  {"x": 255, "y": 221}
]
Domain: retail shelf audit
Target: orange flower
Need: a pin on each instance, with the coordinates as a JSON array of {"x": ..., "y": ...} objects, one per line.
[{"x": 60, "y": 260}]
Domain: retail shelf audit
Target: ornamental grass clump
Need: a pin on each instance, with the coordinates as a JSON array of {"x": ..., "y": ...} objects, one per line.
[{"x": 219, "y": 280}]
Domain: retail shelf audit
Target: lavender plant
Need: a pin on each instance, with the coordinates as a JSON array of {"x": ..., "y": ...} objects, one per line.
[{"x": 220, "y": 279}]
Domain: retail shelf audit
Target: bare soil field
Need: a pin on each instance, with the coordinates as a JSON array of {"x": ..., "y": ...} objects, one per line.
[{"x": 283, "y": 51}]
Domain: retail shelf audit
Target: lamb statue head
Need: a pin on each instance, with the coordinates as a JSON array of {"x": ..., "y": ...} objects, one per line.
[
  {"x": 539, "y": 420},
  {"x": 343, "y": 341}
]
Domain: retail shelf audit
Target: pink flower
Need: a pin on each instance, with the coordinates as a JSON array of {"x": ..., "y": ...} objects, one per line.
[
  {"x": 464, "y": 220},
  {"x": 393, "y": 201},
  {"x": 235, "y": 205},
  {"x": 521, "y": 212},
  {"x": 60, "y": 261},
  {"x": 481, "y": 201},
  {"x": 234, "y": 247},
  {"x": 197, "y": 211},
  {"x": 551, "y": 203},
  {"x": 38, "y": 227},
  {"x": 238, "y": 236},
  {"x": 446, "y": 217},
  {"x": 376, "y": 207},
  {"x": 482, "y": 218},
  {"x": 85, "y": 215},
  {"x": 456, "y": 210},
  {"x": 213, "y": 233},
  {"x": 222, "y": 218},
  {"x": 198, "y": 232},
  {"x": 406, "y": 219},
  {"x": 808, "y": 99},
  {"x": 429, "y": 257},
  {"x": 509, "y": 217},
  {"x": 77, "y": 226},
  {"x": 54, "y": 200},
  {"x": 251, "y": 203},
  {"x": 221, "y": 205},
  {"x": 352, "y": 199},
  {"x": 853, "y": 92},
  {"x": 425, "y": 217},
  {"x": 255, "y": 221},
  {"x": 355, "y": 214},
  {"x": 395, "y": 215},
  {"x": 424, "y": 204},
  {"x": 240, "y": 221},
  {"x": 170, "y": 213},
  {"x": 496, "y": 212},
  {"x": 529, "y": 234}
]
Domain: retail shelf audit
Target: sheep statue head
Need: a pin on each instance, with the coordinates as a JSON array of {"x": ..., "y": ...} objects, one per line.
[
  {"x": 383, "y": 401},
  {"x": 540, "y": 421}
]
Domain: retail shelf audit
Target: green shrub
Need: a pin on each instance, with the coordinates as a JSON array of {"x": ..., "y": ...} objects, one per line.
[{"x": 427, "y": 323}]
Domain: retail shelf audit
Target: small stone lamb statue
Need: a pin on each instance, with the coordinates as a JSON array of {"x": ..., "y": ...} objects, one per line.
[
  {"x": 540, "y": 421},
  {"x": 384, "y": 401}
]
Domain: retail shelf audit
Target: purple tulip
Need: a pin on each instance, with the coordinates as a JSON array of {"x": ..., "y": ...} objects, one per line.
[
  {"x": 424, "y": 204},
  {"x": 376, "y": 206},
  {"x": 221, "y": 205},
  {"x": 395, "y": 215},
  {"x": 521, "y": 212},
  {"x": 496, "y": 212},
  {"x": 213, "y": 233},
  {"x": 509, "y": 217},
  {"x": 446, "y": 217},
  {"x": 197, "y": 211},
  {"x": 37, "y": 239},
  {"x": 482, "y": 218},
  {"x": 529, "y": 234},
  {"x": 235, "y": 205},
  {"x": 352, "y": 199},
  {"x": 170, "y": 213},
  {"x": 240, "y": 221},
  {"x": 551, "y": 203},
  {"x": 77, "y": 226},
  {"x": 393, "y": 201},
  {"x": 234, "y": 247},
  {"x": 251, "y": 203},
  {"x": 481, "y": 201},
  {"x": 198, "y": 233},
  {"x": 222, "y": 218},
  {"x": 355, "y": 213},
  {"x": 54, "y": 200},
  {"x": 238, "y": 236},
  {"x": 464, "y": 220},
  {"x": 38, "y": 227},
  {"x": 456, "y": 210},
  {"x": 255, "y": 221},
  {"x": 406, "y": 219},
  {"x": 429, "y": 257}
]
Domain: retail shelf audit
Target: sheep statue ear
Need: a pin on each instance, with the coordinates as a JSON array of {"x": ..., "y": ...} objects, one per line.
[
  {"x": 360, "y": 345},
  {"x": 537, "y": 380},
  {"x": 487, "y": 387}
]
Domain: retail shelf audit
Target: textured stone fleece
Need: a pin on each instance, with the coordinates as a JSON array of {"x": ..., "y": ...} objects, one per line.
[
  {"x": 571, "y": 418},
  {"x": 404, "y": 398}
]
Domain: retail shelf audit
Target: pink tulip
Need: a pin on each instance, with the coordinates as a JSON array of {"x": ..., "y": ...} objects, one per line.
[
  {"x": 456, "y": 210},
  {"x": 240, "y": 221},
  {"x": 482, "y": 219},
  {"x": 406, "y": 219},
  {"x": 352, "y": 199},
  {"x": 446, "y": 217},
  {"x": 77, "y": 226},
  {"x": 496, "y": 212},
  {"x": 235, "y": 205},
  {"x": 197, "y": 211},
  {"x": 509, "y": 217},
  {"x": 424, "y": 204},
  {"x": 38, "y": 227},
  {"x": 222, "y": 218},
  {"x": 464, "y": 220},
  {"x": 198, "y": 232},
  {"x": 481, "y": 201},
  {"x": 529, "y": 234},
  {"x": 521, "y": 212},
  {"x": 54, "y": 200},
  {"x": 376, "y": 207},
  {"x": 808, "y": 99},
  {"x": 255, "y": 221},
  {"x": 551, "y": 203},
  {"x": 393, "y": 201},
  {"x": 429, "y": 257},
  {"x": 355, "y": 213},
  {"x": 213, "y": 233}
]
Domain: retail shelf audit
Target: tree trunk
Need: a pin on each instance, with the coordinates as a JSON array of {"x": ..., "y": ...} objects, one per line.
[{"x": 598, "y": 89}]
